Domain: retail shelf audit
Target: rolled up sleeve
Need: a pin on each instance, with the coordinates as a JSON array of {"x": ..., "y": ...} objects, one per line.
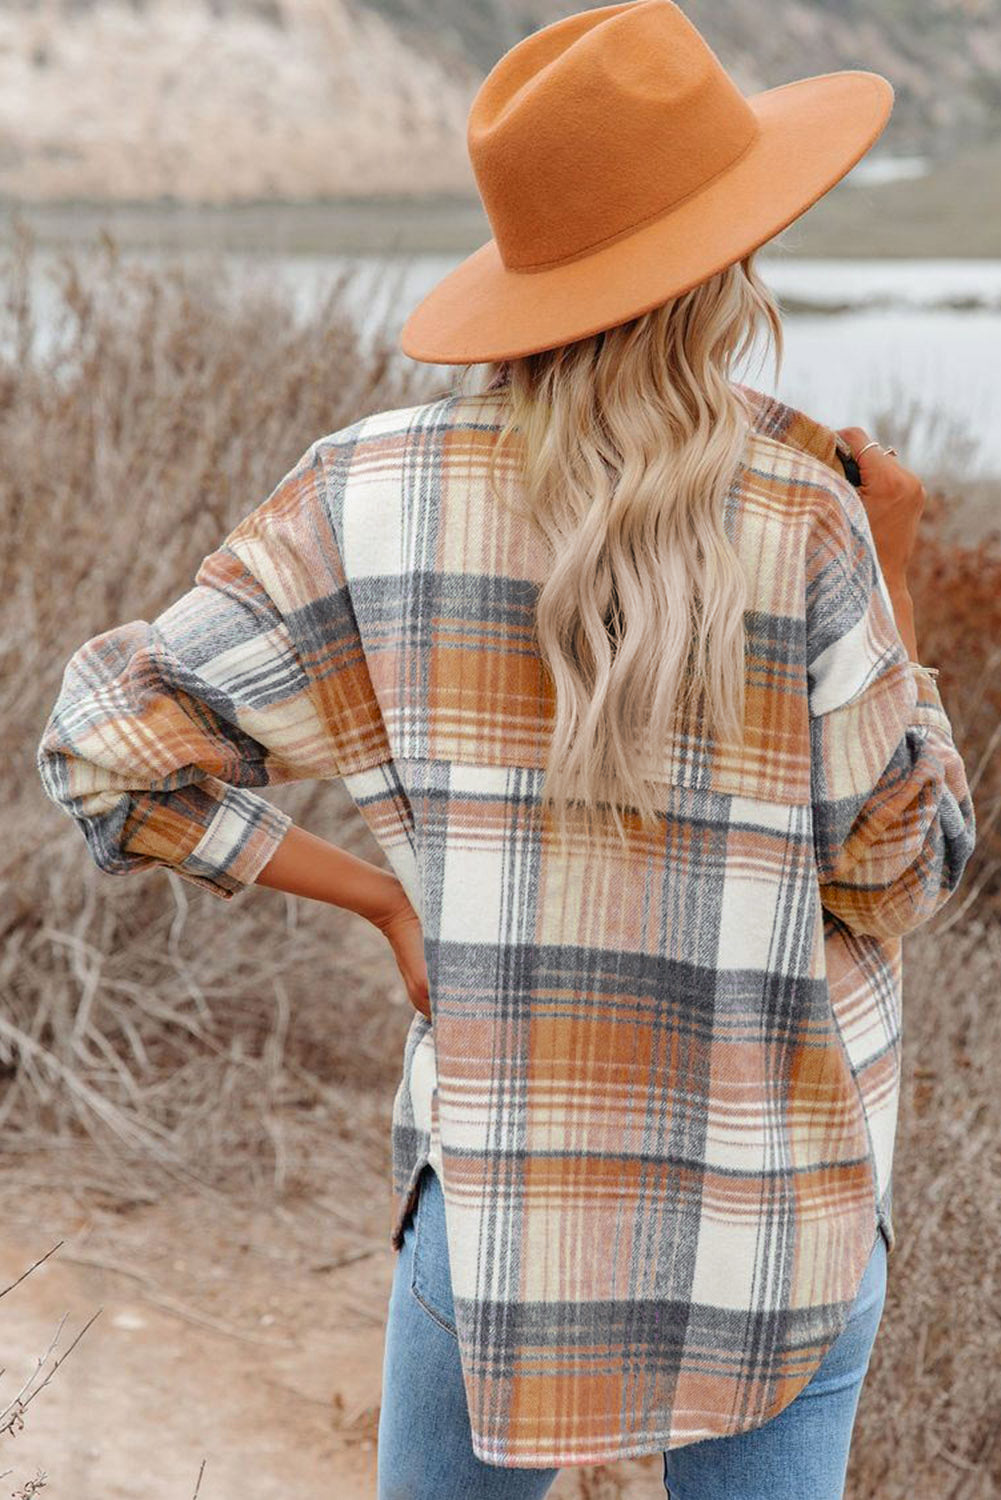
[
  {"x": 893, "y": 817},
  {"x": 164, "y": 732}
]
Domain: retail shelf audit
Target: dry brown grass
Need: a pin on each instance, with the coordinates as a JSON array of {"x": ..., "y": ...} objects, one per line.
[
  {"x": 171, "y": 404},
  {"x": 147, "y": 1032}
]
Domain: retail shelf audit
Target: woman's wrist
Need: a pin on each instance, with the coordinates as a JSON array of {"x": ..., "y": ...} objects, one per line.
[
  {"x": 903, "y": 612},
  {"x": 306, "y": 865}
]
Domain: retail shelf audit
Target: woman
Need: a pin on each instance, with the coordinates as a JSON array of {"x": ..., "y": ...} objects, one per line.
[{"x": 621, "y": 671}]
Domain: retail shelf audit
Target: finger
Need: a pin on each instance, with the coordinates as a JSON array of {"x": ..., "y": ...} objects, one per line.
[
  {"x": 871, "y": 460},
  {"x": 855, "y": 437}
]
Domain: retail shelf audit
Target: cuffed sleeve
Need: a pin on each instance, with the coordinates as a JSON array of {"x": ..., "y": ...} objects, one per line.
[
  {"x": 893, "y": 817},
  {"x": 164, "y": 732}
]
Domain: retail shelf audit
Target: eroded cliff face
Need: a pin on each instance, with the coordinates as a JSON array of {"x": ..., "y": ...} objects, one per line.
[
  {"x": 224, "y": 101},
  {"x": 306, "y": 98}
]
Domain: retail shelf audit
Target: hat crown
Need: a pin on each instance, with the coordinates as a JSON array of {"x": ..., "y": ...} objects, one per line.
[{"x": 598, "y": 123}]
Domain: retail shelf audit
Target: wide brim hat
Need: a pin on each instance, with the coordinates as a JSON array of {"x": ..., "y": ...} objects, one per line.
[{"x": 619, "y": 164}]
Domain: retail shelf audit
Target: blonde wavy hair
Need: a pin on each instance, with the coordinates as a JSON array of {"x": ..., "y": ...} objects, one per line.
[{"x": 630, "y": 441}]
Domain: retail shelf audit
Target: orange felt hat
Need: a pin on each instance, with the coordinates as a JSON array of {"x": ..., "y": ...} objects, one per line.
[{"x": 619, "y": 164}]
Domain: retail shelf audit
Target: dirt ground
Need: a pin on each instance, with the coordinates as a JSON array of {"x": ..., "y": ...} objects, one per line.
[
  {"x": 232, "y": 1334},
  {"x": 250, "y": 1337}
]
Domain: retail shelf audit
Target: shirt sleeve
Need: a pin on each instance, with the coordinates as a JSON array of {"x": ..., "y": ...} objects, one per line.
[
  {"x": 893, "y": 816},
  {"x": 163, "y": 731}
]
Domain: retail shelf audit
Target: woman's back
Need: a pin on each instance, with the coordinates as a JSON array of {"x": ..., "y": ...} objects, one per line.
[
  {"x": 661, "y": 1081},
  {"x": 665, "y": 1074}
]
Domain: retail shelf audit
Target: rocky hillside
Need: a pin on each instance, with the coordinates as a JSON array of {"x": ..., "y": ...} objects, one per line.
[
  {"x": 224, "y": 101},
  {"x": 217, "y": 102},
  {"x": 942, "y": 56}
]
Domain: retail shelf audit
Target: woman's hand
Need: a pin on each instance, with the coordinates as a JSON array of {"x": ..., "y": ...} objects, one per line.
[
  {"x": 893, "y": 497},
  {"x": 402, "y": 927},
  {"x": 306, "y": 865}
]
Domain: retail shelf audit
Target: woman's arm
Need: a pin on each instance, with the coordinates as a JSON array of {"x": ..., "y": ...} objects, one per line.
[
  {"x": 306, "y": 865},
  {"x": 894, "y": 498},
  {"x": 893, "y": 818},
  {"x": 903, "y": 614},
  {"x": 165, "y": 731}
]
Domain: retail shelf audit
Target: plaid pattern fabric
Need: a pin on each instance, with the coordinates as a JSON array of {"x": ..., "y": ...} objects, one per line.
[{"x": 661, "y": 1083}]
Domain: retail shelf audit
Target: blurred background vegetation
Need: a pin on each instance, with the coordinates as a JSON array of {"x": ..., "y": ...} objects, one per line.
[
  {"x": 180, "y": 1080},
  {"x": 174, "y": 110}
]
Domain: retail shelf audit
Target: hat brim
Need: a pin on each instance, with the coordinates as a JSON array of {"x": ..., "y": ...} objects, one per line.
[{"x": 812, "y": 132}]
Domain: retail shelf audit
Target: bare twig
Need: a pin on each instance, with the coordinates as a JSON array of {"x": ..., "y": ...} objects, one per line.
[
  {"x": 11, "y": 1418},
  {"x": 31, "y": 1268},
  {"x": 32, "y": 1486}
]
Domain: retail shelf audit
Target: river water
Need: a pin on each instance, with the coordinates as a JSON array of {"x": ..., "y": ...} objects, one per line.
[{"x": 917, "y": 339}]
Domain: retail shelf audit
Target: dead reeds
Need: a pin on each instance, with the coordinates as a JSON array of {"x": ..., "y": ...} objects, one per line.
[{"x": 143, "y": 411}]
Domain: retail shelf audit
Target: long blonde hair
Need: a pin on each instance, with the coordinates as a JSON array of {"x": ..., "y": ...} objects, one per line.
[{"x": 632, "y": 438}]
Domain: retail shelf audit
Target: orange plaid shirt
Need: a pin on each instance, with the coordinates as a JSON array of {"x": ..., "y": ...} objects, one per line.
[{"x": 660, "y": 1085}]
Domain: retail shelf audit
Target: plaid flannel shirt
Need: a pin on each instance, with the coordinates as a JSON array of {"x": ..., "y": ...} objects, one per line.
[{"x": 661, "y": 1083}]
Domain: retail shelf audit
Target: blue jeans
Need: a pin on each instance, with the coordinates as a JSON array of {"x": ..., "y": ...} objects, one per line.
[{"x": 424, "y": 1446}]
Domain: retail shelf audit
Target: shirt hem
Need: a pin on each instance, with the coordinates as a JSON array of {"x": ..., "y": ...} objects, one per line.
[
  {"x": 406, "y": 1201},
  {"x": 497, "y": 1455}
]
